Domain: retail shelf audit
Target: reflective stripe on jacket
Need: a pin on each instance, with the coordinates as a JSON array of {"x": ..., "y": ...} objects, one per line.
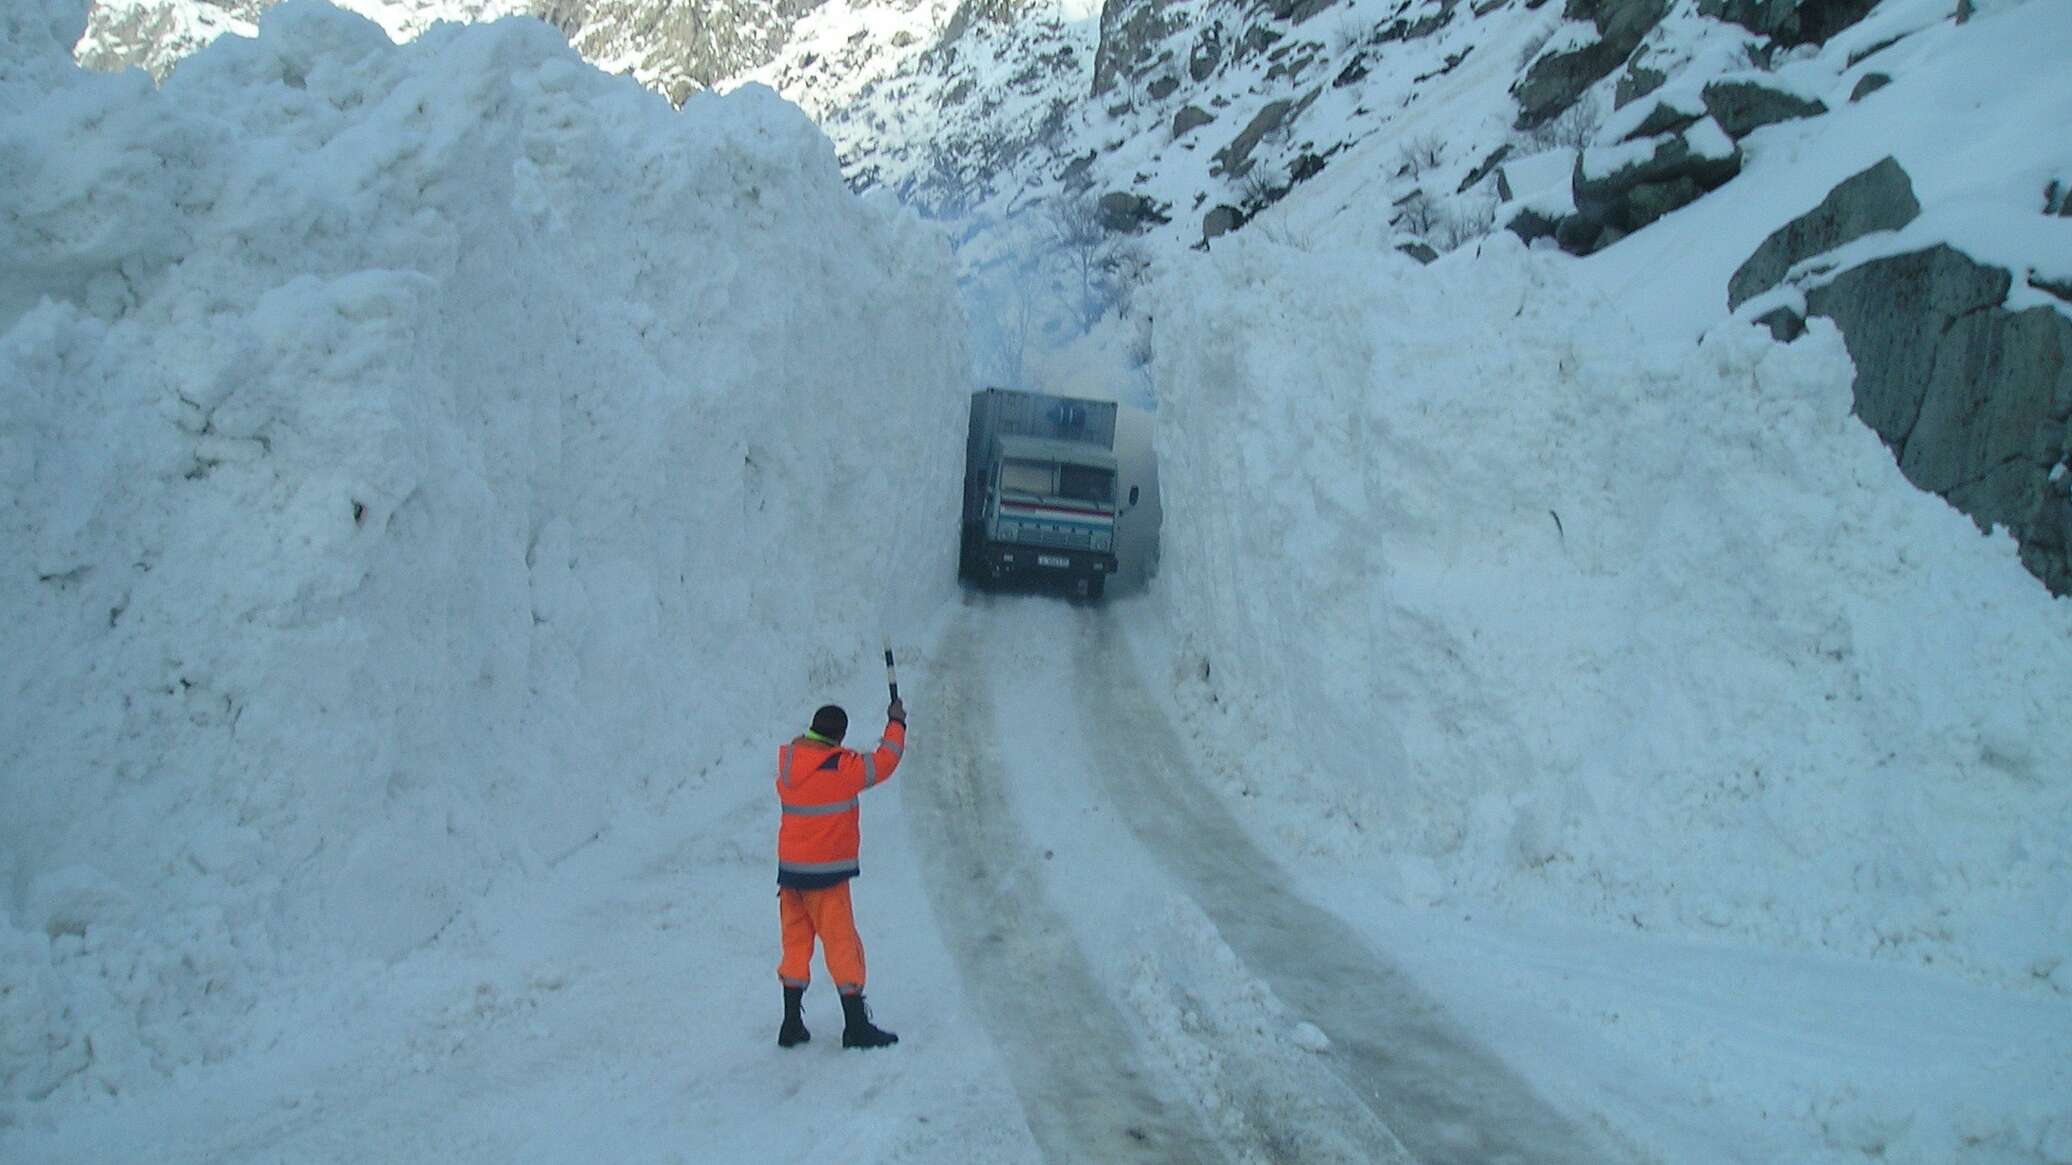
[{"x": 817, "y": 787}]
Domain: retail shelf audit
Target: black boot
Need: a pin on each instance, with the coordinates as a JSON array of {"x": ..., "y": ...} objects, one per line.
[
  {"x": 859, "y": 1031},
  {"x": 794, "y": 1029}
]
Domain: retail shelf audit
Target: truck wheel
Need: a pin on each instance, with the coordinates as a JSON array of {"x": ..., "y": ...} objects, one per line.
[
  {"x": 1094, "y": 586},
  {"x": 967, "y": 560}
]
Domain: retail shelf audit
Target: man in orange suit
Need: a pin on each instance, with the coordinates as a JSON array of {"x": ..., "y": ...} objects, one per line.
[{"x": 818, "y": 783}]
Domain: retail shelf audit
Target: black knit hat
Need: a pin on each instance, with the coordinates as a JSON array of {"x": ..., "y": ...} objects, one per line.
[{"x": 830, "y": 721}]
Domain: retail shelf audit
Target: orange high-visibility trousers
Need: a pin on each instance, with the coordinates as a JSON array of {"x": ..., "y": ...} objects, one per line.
[{"x": 827, "y": 915}]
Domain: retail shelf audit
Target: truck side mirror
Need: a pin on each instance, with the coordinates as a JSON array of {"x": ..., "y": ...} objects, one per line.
[{"x": 1133, "y": 497}]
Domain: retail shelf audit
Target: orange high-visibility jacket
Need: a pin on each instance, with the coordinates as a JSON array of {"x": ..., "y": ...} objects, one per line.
[{"x": 817, "y": 785}]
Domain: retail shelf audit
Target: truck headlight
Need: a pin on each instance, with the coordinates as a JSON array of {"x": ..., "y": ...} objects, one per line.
[
  {"x": 1103, "y": 541},
  {"x": 1009, "y": 531}
]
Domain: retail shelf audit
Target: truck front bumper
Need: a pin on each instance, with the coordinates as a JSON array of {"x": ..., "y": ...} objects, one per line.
[{"x": 1007, "y": 560}]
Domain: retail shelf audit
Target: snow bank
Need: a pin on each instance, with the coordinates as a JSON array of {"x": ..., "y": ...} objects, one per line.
[
  {"x": 1665, "y": 640},
  {"x": 409, "y": 454}
]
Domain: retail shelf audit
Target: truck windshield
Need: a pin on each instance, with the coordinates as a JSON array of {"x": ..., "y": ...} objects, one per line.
[
  {"x": 1028, "y": 477},
  {"x": 1085, "y": 483}
]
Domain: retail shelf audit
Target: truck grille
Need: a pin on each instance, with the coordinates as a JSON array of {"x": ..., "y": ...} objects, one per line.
[{"x": 1068, "y": 539}]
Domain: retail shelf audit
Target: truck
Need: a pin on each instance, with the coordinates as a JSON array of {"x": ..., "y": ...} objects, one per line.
[{"x": 1039, "y": 491}]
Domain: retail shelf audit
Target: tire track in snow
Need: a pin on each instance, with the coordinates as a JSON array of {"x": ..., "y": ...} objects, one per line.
[
  {"x": 1081, "y": 1081},
  {"x": 1448, "y": 1100}
]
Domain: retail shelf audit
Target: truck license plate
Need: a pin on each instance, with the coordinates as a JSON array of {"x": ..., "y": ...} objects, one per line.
[{"x": 1053, "y": 560}]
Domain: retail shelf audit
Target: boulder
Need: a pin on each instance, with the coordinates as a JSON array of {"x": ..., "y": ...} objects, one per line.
[
  {"x": 1422, "y": 252},
  {"x": 1074, "y": 174},
  {"x": 1484, "y": 168},
  {"x": 1530, "y": 225},
  {"x": 1189, "y": 119},
  {"x": 1600, "y": 196},
  {"x": 1556, "y": 80},
  {"x": 1206, "y": 54},
  {"x": 1257, "y": 40},
  {"x": 1221, "y": 221},
  {"x": 1236, "y": 158},
  {"x": 1742, "y": 107},
  {"x": 1580, "y": 236},
  {"x": 1621, "y": 189},
  {"x": 1789, "y": 22},
  {"x": 1785, "y": 324},
  {"x": 1974, "y": 400},
  {"x": 1121, "y": 212},
  {"x": 1638, "y": 82},
  {"x": 1663, "y": 117},
  {"x": 1663, "y": 111},
  {"x": 1624, "y": 22},
  {"x": 1869, "y": 84},
  {"x": 1893, "y": 312},
  {"x": 1878, "y": 199}
]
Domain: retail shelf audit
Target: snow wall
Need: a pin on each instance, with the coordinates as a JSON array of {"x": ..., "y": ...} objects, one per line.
[
  {"x": 411, "y": 454},
  {"x": 1657, "y": 634}
]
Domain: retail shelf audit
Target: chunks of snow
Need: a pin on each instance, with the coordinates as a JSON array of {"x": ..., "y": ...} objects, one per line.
[
  {"x": 1543, "y": 181},
  {"x": 1707, "y": 140}
]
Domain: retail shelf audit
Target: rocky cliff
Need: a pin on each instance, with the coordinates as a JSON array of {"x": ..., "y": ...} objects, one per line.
[{"x": 1973, "y": 395}]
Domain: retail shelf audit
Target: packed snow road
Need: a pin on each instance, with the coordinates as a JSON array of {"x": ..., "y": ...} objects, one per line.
[
  {"x": 1084, "y": 1090},
  {"x": 1130, "y": 947}
]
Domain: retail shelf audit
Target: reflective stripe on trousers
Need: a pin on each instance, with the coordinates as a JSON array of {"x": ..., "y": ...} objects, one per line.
[{"x": 844, "y": 866}]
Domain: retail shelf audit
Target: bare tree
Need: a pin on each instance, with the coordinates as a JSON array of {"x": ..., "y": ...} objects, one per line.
[
  {"x": 1096, "y": 269},
  {"x": 1132, "y": 90},
  {"x": 1421, "y": 153},
  {"x": 1258, "y": 189},
  {"x": 1017, "y": 318},
  {"x": 1419, "y": 215},
  {"x": 1465, "y": 221},
  {"x": 1128, "y": 266},
  {"x": 1574, "y": 129},
  {"x": 1077, "y": 236},
  {"x": 1276, "y": 229}
]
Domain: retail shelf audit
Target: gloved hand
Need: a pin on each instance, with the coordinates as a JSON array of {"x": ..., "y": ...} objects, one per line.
[{"x": 896, "y": 711}]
